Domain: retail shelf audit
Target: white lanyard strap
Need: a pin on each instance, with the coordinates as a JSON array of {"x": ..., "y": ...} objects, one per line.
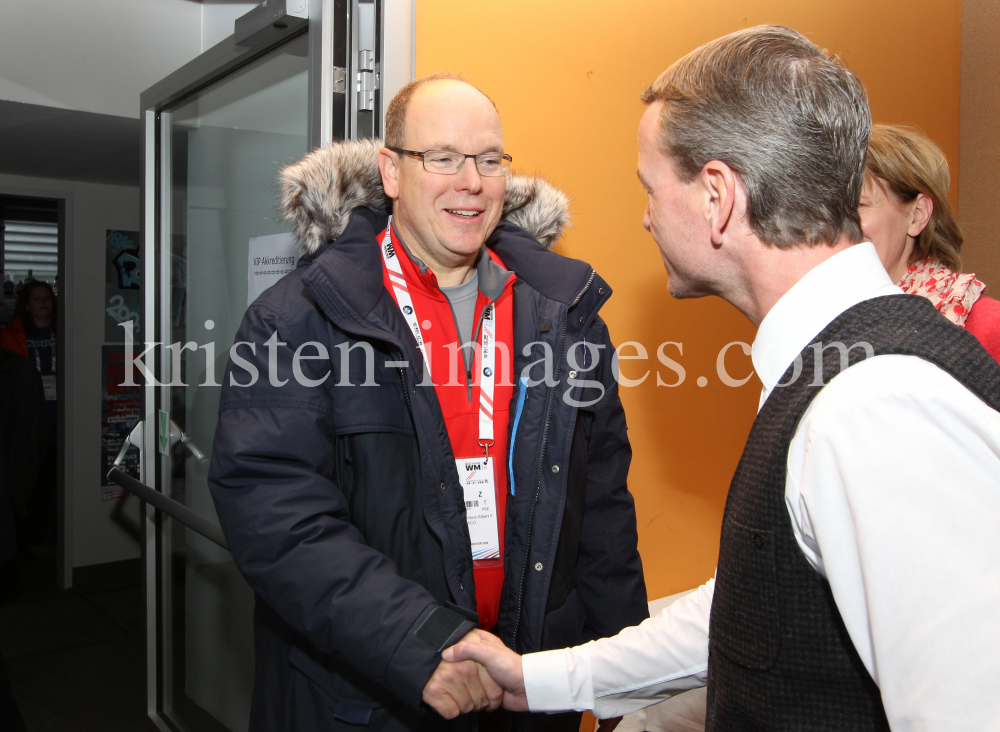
[
  {"x": 402, "y": 292},
  {"x": 486, "y": 379},
  {"x": 488, "y": 360}
]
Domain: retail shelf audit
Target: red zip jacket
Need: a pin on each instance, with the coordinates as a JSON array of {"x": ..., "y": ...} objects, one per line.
[
  {"x": 459, "y": 399},
  {"x": 984, "y": 323},
  {"x": 12, "y": 337}
]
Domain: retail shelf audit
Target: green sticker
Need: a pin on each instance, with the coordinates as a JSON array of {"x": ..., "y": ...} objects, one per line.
[{"x": 164, "y": 432}]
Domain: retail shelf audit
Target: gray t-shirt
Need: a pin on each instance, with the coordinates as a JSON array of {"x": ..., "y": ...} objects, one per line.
[{"x": 463, "y": 304}]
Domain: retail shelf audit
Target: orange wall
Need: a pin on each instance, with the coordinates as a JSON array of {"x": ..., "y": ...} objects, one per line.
[{"x": 566, "y": 76}]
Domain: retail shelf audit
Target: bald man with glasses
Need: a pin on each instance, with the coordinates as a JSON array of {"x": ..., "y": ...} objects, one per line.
[{"x": 420, "y": 433}]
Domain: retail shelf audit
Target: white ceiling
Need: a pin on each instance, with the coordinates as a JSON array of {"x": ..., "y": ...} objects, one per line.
[
  {"x": 71, "y": 73},
  {"x": 94, "y": 56}
]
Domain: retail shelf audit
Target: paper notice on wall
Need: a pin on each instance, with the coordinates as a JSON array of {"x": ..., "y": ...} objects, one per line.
[{"x": 270, "y": 259}]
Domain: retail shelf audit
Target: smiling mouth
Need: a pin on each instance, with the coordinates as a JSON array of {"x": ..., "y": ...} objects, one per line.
[{"x": 463, "y": 213}]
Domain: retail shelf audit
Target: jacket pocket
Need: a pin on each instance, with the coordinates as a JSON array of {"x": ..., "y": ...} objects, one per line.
[
  {"x": 370, "y": 398},
  {"x": 563, "y": 625},
  {"x": 345, "y": 695},
  {"x": 745, "y": 624},
  {"x": 379, "y": 475}
]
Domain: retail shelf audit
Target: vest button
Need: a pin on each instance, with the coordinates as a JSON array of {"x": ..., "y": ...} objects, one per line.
[
  {"x": 581, "y": 320},
  {"x": 461, "y": 586},
  {"x": 572, "y": 374},
  {"x": 555, "y": 468},
  {"x": 600, "y": 290},
  {"x": 758, "y": 540},
  {"x": 442, "y": 488},
  {"x": 538, "y": 567}
]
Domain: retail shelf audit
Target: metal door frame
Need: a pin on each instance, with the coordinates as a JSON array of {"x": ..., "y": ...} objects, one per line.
[{"x": 331, "y": 107}]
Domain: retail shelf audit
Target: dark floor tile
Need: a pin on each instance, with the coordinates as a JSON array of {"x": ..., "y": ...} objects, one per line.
[
  {"x": 37, "y": 570},
  {"x": 123, "y": 606},
  {"x": 95, "y": 688},
  {"x": 75, "y": 658},
  {"x": 50, "y": 624}
]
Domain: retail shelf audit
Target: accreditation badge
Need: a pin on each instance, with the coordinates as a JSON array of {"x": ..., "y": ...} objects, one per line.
[
  {"x": 49, "y": 385},
  {"x": 476, "y": 476}
]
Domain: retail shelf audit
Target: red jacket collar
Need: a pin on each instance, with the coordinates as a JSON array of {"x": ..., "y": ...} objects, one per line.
[{"x": 494, "y": 278}]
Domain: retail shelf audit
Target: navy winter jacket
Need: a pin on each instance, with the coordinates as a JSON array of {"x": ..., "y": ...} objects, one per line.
[{"x": 342, "y": 505}]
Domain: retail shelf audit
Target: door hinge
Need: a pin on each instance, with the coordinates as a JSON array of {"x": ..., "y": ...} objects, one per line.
[
  {"x": 367, "y": 81},
  {"x": 339, "y": 80}
]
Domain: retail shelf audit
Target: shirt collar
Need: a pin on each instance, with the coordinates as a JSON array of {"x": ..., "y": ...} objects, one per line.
[
  {"x": 491, "y": 277},
  {"x": 841, "y": 282}
]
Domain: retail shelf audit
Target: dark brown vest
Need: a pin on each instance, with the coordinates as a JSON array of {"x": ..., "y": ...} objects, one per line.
[{"x": 780, "y": 657}]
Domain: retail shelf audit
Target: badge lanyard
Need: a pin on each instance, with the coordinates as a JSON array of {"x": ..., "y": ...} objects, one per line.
[
  {"x": 38, "y": 357},
  {"x": 476, "y": 476},
  {"x": 488, "y": 350}
]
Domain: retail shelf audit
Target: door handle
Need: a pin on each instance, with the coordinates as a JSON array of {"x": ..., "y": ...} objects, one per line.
[
  {"x": 178, "y": 435},
  {"x": 191, "y": 519},
  {"x": 134, "y": 439}
]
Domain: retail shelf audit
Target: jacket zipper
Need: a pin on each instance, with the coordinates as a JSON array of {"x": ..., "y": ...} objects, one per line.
[
  {"x": 406, "y": 388},
  {"x": 541, "y": 457}
]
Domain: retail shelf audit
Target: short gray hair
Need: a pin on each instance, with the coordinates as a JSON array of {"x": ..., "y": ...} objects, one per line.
[{"x": 791, "y": 121}]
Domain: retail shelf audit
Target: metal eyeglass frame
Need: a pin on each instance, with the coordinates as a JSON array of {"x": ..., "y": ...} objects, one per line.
[{"x": 417, "y": 154}]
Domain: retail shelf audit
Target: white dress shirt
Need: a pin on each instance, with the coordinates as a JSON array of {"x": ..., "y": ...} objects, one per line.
[{"x": 893, "y": 489}]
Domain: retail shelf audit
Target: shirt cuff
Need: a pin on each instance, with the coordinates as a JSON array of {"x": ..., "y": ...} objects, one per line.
[{"x": 558, "y": 681}]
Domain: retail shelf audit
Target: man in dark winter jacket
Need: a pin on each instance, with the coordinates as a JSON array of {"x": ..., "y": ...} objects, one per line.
[{"x": 420, "y": 432}]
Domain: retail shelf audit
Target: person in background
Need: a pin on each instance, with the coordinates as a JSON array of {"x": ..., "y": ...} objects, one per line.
[
  {"x": 24, "y": 421},
  {"x": 905, "y": 213},
  {"x": 10, "y": 714},
  {"x": 32, "y": 334}
]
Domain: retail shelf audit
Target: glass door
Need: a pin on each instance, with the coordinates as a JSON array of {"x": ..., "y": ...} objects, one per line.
[
  {"x": 216, "y": 133},
  {"x": 220, "y": 152}
]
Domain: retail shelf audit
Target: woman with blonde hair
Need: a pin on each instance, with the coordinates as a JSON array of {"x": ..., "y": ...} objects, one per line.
[{"x": 905, "y": 213}]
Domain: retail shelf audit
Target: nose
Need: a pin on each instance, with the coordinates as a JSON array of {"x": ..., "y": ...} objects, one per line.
[{"x": 468, "y": 177}]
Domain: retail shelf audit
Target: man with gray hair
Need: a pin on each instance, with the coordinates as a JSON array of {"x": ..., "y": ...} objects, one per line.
[{"x": 857, "y": 582}]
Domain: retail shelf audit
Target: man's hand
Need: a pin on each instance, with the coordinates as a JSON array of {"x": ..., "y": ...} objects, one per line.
[
  {"x": 502, "y": 664},
  {"x": 461, "y": 687}
]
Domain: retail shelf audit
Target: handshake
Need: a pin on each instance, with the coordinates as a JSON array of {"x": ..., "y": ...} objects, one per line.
[{"x": 478, "y": 673}]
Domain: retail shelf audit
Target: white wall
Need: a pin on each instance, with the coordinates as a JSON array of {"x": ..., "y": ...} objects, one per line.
[
  {"x": 93, "y": 536},
  {"x": 93, "y": 55},
  {"x": 218, "y": 18}
]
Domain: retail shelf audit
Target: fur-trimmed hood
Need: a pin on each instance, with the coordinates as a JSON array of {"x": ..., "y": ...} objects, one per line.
[{"x": 319, "y": 192}]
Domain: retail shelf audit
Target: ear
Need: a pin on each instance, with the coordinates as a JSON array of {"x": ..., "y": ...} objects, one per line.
[
  {"x": 388, "y": 167},
  {"x": 922, "y": 209},
  {"x": 719, "y": 183}
]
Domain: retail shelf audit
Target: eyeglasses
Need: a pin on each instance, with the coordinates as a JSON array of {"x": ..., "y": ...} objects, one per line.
[{"x": 446, "y": 162}]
